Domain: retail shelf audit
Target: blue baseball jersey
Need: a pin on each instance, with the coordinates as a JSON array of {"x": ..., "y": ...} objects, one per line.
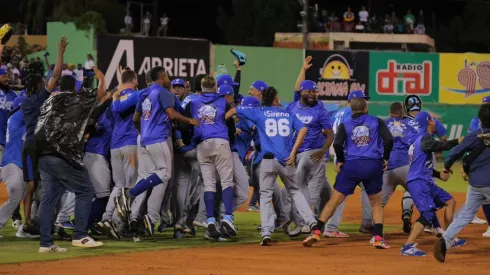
[
  {"x": 363, "y": 139},
  {"x": 341, "y": 116},
  {"x": 156, "y": 126},
  {"x": 124, "y": 132},
  {"x": 15, "y": 137},
  {"x": 99, "y": 141},
  {"x": 474, "y": 125},
  {"x": 276, "y": 128},
  {"x": 243, "y": 141},
  {"x": 403, "y": 136},
  {"x": 249, "y": 127},
  {"x": 316, "y": 119},
  {"x": 6, "y": 103},
  {"x": 421, "y": 163},
  {"x": 31, "y": 108},
  {"x": 210, "y": 110},
  {"x": 188, "y": 99},
  {"x": 440, "y": 129}
]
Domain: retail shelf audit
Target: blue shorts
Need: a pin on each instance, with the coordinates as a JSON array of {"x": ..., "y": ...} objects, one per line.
[
  {"x": 366, "y": 171},
  {"x": 426, "y": 196}
]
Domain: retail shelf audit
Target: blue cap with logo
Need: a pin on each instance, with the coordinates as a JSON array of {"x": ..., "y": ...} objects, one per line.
[
  {"x": 225, "y": 90},
  {"x": 259, "y": 85},
  {"x": 422, "y": 119},
  {"x": 486, "y": 99},
  {"x": 308, "y": 85},
  {"x": 356, "y": 94},
  {"x": 226, "y": 79},
  {"x": 3, "y": 72},
  {"x": 178, "y": 82},
  {"x": 250, "y": 101}
]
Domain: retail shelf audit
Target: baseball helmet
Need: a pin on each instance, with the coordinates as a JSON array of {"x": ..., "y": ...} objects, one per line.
[{"x": 412, "y": 103}]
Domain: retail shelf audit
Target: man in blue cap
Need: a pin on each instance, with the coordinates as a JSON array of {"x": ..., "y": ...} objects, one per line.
[
  {"x": 226, "y": 79},
  {"x": 7, "y": 97},
  {"x": 257, "y": 88},
  {"x": 426, "y": 195},
  {"x": 178, "y": 88}
]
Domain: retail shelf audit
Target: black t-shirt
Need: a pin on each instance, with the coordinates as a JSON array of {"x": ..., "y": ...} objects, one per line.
[{"x": 31, "y": 107}]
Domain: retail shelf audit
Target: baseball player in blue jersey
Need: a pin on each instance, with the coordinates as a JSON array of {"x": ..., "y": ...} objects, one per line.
[
  {"x": 426, "y": 195},
  {"x": 123, "y": 147},
  {"x": 357, "y": 147},
  {"x": 397, "y": 171},
  {"x": 310, "y": 163},
  {"x": 12, "y": 162},
  {"x": 475, "y": 125},
  {"x": 476, "y": 165},
  {"x": 6, "y": 100},
  {"x": 276, "y": 128},
  {"x": 413, "y": 105}
]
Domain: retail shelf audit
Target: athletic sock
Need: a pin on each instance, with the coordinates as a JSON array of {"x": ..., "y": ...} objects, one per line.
[
  {"x": 145, "y": 184},
  {"x": 378, "y": 229},
  {"x": 227, "y": 197},
  {"x": 318, "y": 226},
  {"x": 209, "y": 203},
  {"x": 97, "y": 210},
  {"x": 486, "y": 211}
]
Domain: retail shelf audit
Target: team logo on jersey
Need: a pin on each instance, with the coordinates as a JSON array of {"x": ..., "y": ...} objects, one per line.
[
  {"x": 397, "y": 128},
  {"x": 305, "y": 119},
  {"x": 146, "y": 106},
  {"x": 5, "y": 104},
  {"x": 207, "y": 113},
  {"x": 360, "y": 135}
]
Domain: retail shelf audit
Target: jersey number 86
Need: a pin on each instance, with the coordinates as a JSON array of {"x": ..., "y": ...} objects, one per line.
[{"x": 274, "y": 127}]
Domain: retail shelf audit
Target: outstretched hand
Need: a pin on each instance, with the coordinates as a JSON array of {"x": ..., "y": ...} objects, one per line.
[
  {"x": 62, "y": 44},
  {"x": 307, "y": 63}
]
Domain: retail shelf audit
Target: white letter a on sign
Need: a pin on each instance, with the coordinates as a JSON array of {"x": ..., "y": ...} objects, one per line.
[{"x": 124, "y": 46}]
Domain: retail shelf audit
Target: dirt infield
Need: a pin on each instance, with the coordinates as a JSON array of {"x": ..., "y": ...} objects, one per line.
[{"x": 332, "y": 256}]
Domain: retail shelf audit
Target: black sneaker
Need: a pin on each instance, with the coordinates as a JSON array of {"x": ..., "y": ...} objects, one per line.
[
  {"x": 440, "y": 250},
  {"x": 266, "y": 241}
]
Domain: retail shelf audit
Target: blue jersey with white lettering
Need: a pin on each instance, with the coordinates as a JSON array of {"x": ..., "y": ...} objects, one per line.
[
  {"x": 276, "y": 128},
  {"x": 124, "y": 132},
  {"x": 316, "y": 119},
  {"x": 15, "y": 138},
  {"x": 243, "y": 140},
  {"x": 474, "y": 125},
  {"x": 210, "y": 110},
  {"x": 188, "y": 99},
  {"x": 156, "y": 126},
  {"x": 6, "y": 103},
  {"x": 100, "y": 139},
  {"x": 403, "y": 136},
  {"x": 341, "y": 116},
  {"x": 421, "y": 163},
  {"x": 440, "y": 129},
  {"x": 363, "y": 140}
]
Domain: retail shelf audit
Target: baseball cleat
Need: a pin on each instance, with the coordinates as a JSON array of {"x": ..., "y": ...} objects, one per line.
[
  {"x": 313, "y": 238},
  {"x": 16, "y": 224},
  {"x": 150, "y": 228},
  {"x": 108, "y": 229},
  {"x": 208, "y": 237},
  {"x": 213, "y": 230},
  {"x": 458, "y": 242},
  {"x": 51, "y": 249},
  {"x": 477, "y": 220},
  {"x": 66, "y": 225},
  {"x": 407, "y": 225},
  {"x": 266, "y": 241},
  {"x": 440, "y": 250},
  {"x": 306, "y": 229},
  {"x": 228, "y": 226},
  {"x": 335, "y": 234},
  {"x": 200, "y": 224},
  {"x": 22, "y": 234},
  {"x": 412, "y": 250},
  {"x": 295, "y": 232},
  {"x": 487, "y": 233},
  {"x": 380, "y": 243},
  {"x": 86, "y": 242},
  {"x": 366, "y": 230}
]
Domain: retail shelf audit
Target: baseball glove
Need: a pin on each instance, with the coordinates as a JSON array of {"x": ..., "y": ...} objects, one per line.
[{"x": 6, "y": 32}]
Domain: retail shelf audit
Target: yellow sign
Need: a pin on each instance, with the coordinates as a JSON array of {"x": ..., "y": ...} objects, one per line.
[{"x": 464, "y": 78}]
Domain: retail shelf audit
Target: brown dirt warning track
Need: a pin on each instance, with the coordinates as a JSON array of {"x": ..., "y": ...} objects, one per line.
[{"x": 330, "y": 256}]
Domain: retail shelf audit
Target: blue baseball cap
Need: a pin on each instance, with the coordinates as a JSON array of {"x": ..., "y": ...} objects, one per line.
[
  {"x": 486, "y": 99},
  {"x": 422, "y": 120},
  {"x": 250, "y": 101},
  {"x": 226, "y": 79},
  {"x": 17, "y": 101},
  {"x": 178, "y": 82},
  {"x": 308, "y": 85},
  {"x": 356, "y": 94},
  {"x": 3, "y": 72},
  {"x": 225, "y": 90},
  {"x": 259, "y": 85}
]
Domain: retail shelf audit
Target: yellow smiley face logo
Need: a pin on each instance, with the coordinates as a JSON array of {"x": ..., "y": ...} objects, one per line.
[{"x": 336, "y": 70}]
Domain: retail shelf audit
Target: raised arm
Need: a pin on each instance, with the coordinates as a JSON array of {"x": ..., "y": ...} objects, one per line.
[
  {"x": 429, "y": 145},
  {"x": 101, "y": 91},
  {"x": 301, "y": 77},
  {"x": 53, "y": 81}
]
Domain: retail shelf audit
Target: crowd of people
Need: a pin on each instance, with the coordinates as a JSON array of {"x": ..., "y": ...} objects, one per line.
[
  {"x": 168, "y": 156},
  {"x": 363, "y": 21},
  {"x": 146, "y": 27}
]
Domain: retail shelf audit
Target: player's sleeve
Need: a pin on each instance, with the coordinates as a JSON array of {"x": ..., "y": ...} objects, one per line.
[
  {"x": 166, "y": 99},
  {"x": 347, "y": 115},
  {"x": 339, "y": 141},
  {"x": 119, "y": 106},
  {"x": 469, "y": 142},
  {"x": 429, "y": 145},
  {"x": 297, "y": 96},
  {"x": 440, "y": 129},
  {"x": 387, "y": 138},
  {"x": 297, "y": 124},
  {"x": 139, "y": 107},
  {"x": 473, "y": 125},
  {"x": 324, "y": 119},
  {"x": 245, "y": 113}
]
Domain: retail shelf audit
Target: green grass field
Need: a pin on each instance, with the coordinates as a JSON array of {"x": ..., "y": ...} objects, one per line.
[{"x": 15, "y": 250}]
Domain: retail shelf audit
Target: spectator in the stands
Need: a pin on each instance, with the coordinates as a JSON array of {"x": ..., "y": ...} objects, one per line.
[
  {"x": 388, "y": 24},
  {"x": 374, "y": 24},
  {"x": 89, "y": 72},
  {"x": 66, "y": 70},
  {"x": 128, "y": 21},
  {"x": 360, "y": 27},
  {"x": 147, "y": 24},
  {"x": 333, "y": 23},
  {"x": 163, "y": 26},
  {"x": 79, "y": 72},
  {"x": 409, "y": 21},
  {"x": 349, "y": 18},
  {"x": 363, "y": 16},
  {"x": 420, "y": 29},
  {"x": 23, "y": 63},
  {"x": 16, "y": 80}
]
